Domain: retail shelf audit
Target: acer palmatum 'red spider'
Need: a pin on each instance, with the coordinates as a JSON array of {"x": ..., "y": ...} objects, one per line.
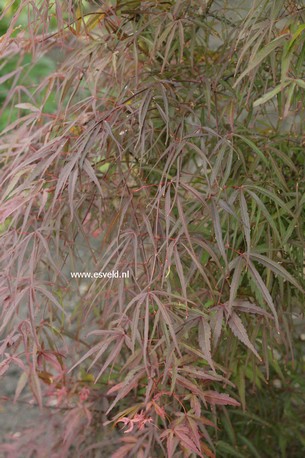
[{"x": 162, "y": 139}]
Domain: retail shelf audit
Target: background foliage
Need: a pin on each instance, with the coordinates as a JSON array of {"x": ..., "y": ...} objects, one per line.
[{"x": 163, "y": 138}]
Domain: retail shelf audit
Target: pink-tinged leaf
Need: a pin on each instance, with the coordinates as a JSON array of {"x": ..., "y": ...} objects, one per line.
[
  {"x": 74, "y": 422},
  {"x": 200, "y": 196},
  {"x": 104, "y": 346},
  {"x": 207, "y": 451},
  {"x": 169, "y": 46},
  {"x": 196, "y": 406},
  {"x": 240, "y": 332},
  {"x": 24, "y": 120},
  {"x": 191, "y": 387},
  {"x": 180, "y": 272},
  {"x": 218, "y": 230},
  {"x": 115, "y": 388},
  {"x": 215, "y": 398},
  {"x": 89, "y": 353},
  {"x": 139, "y": 421},
  {"x": 20, "y": 385},
  {"x": 10, "y": 207},
  {"x": 248, "y": 307},
  {"x": 8, "y": 312},
  {"x": 181, "y": 40},
  {"x": 193, "y": 350},
  {"x": 4, "y": 366},
  {"x": 216, "y": 324},
  {"x": 43, "y": 201},
  {"x": 50, "y": 296},
  {"x": 193, "y": 257},
  {"x": 235, "y": 283},
  {"x": 35, "y": 386},
  {"x": 143, "y": 111},
  {"x": 204, "y": 339},
  {"x": 71, "y": 190},
  {"x": 166, "y": 111},
  {"x": 53, "y": 359},
  {"x": 7, "y": 76},
  {"x": 167, "y": 207},
  {"x": 146, "y": 331},
  {"x": 187, "y": 439},
  {"x": 194, "y": 432},
  {"x": 159, "y": 410},
  {"x": 27, "y": 106},
  {"x": 227, "y": 207},
  {"x": 125, "y": 387},
  {"x": 245, "y": 220},
  {"x": 112, "y": 356},
  {"x": 203, "y": 375},
  {"x": 127, "y": 422},
  {"x": 123, "y": 451},
  {"x": 48, "y": 253},
  {"x": 91, "y": 174},
  {"x": 12, "y": 339},
  {"x": 171, "y": 443},
  {"x": 276, "y": 268},
  {"x": 184, "y": 222},
  {"x": 168, "y": 321},
  {"x": 18, "y": 362},
  {"x": 204, "y": 421},
  {"x": 63, "y": 178}
]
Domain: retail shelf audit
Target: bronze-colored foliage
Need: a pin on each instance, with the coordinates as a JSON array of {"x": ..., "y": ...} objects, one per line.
[{"x": 165, "y": 140}]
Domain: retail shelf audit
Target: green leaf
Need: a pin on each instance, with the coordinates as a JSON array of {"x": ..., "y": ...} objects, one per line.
[
  {"x": 250, "y": 446},
  {"x": 266, "y": 294},
  {"x": 261, "y": 55},
  {"x": 300, "y": 83},
  {"x": 240, "y": 332},
  {"x": 269, "y": 95},
  {"x": 104, "y": 167},
  {"x": 224, "y": 447},
  {"x": 271, "y": 196},
  {"x": 276, "y": 268},
  {"x": 297, "y": 33},
  {"x": 254, "y": 148}
]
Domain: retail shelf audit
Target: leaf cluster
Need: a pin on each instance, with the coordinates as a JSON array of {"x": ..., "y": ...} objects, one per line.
[{"x": 165, "y": 139}]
